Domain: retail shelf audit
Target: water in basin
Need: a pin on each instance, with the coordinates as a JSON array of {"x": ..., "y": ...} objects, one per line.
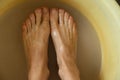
[{"x": 13, "y": 64}]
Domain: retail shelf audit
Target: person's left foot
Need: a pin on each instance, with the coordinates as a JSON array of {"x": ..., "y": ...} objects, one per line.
[
  {"x": 36, "y": 31},
  {"x": 64, "y": 35}
]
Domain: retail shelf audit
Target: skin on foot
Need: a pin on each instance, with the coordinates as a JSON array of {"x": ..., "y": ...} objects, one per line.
[
  {"x": 64, "y": 35},
  {"x": 36, "y": 31}
]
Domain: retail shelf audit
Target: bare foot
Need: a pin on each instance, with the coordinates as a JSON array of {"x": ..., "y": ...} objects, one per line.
[
  {"x": 64, "y": 35},
  {"x": 36, "y": 32}
]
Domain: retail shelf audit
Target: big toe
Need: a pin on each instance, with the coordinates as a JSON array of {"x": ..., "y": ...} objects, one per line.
[
  {"x": 54, "y": 18},
  {"x": 45, "y": 15},
  {"x": 38, "y": 14},
  {"x": 61, "y": 16}
]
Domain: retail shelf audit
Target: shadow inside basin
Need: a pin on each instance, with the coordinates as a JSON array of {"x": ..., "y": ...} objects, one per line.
[{"x": 13, "y": 64}]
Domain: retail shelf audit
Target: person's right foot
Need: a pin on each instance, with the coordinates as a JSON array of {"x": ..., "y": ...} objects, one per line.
[
  {"x": 36, "y": 31},
  {"x": 64, "y": 35}
]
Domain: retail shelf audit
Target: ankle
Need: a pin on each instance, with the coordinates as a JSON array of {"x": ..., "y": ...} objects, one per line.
[
  {"x": 68, "y": 69},
  {"x": 69, "y": 73},
  {"x": 40, "y": 73}
]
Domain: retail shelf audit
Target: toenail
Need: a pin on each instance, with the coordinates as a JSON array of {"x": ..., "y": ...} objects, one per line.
[
  {"x": 45, "y": 9},
  {"x": 38, "y": 10},
  {"x": 24, "y": 26},
  {"x": 28, "y": 21},
  {"x": 61, "y": 10},
  {"x": 31, "y": 16}
]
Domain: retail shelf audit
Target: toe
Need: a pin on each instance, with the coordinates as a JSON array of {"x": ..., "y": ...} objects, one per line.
[
  {"x": 38, "y": 14},
  {"x": 32, "y": 18},
  {"x": 75, "y": 35},
  {"x": 24, "y": 29},
  {"x": 61, "y": 16},
  {"x": 45, "y": 15},
  {"x": 24, "y": 33},
  {"x": 70, "y": 27},
  {"x": 66, "y": 18},
  {"x": 54, "y": 18},
  {"x": 28, "y": 24},
  {"x": 74, "y": 31},
  {"x": 70, "y": 22}
]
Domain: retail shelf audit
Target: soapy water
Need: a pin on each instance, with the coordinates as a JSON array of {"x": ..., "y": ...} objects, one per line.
[{"x": 12, "y": 51}]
